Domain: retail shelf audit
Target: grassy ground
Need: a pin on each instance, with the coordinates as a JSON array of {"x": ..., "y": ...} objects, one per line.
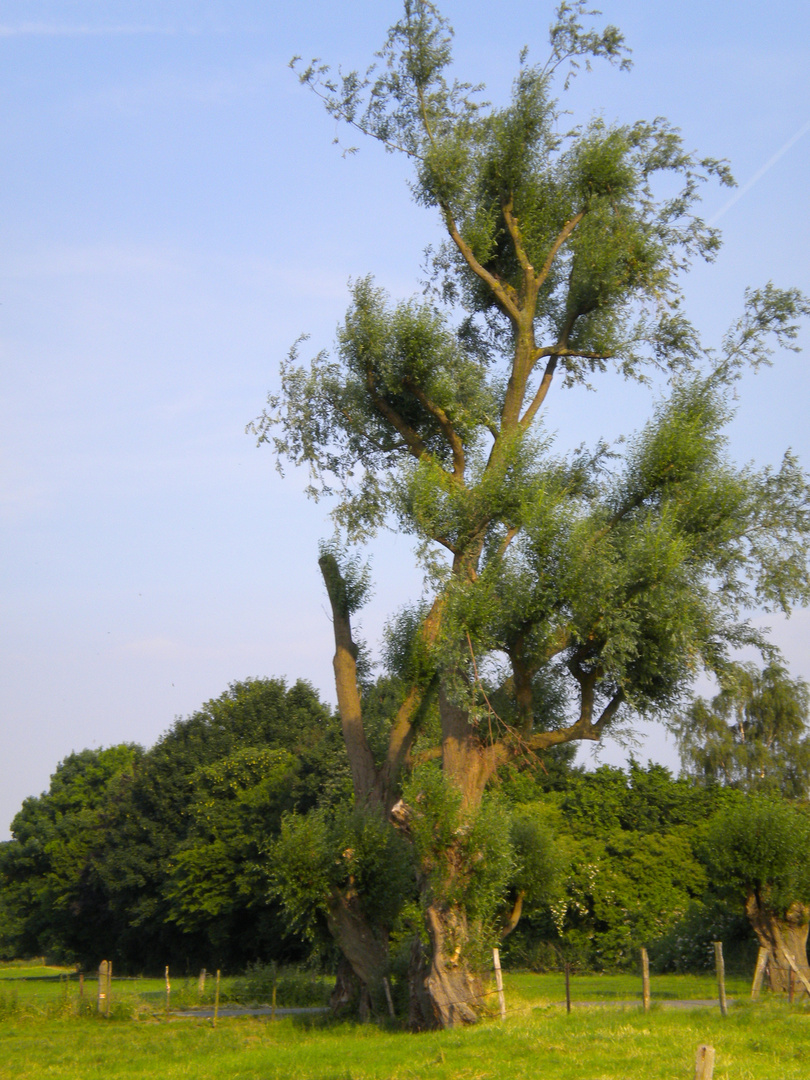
[
  {"x": 771, "y": 1042},
  {"x": 45, "y": 1034}
]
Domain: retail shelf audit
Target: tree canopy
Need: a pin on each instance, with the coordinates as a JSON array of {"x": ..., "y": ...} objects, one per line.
[
  {"x": 752, "y": 735},
  {"x": 160, "y": 856}
]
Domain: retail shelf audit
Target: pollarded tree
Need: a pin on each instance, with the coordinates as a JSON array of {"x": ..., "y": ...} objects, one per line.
[
  {"x": 615, "y": 580},
  {"x": 753, "y": 735},
  {"x": 756, "y": 849}
]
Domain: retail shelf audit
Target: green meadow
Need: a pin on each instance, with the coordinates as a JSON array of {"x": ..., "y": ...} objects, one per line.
[{"x": 46, "y": 1030}]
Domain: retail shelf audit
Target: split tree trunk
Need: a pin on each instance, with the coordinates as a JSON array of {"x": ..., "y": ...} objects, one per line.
[
  {"x": 365, "y": 952},
  {"x": 446, "y": 988},
  {"x": 453, "y": 986},
  {"x": 782, "y": 936}
]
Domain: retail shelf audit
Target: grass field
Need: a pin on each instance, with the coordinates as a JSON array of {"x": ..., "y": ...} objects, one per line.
[{"x": 42, "y": 1034}]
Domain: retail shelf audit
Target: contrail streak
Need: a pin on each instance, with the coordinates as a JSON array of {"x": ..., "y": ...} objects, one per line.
[
  {"x": 52, "y": 30},
  {"x": 769, "y": 164}
]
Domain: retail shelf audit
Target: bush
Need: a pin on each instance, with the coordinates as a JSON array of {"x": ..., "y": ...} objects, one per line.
[
  {"x": 296, "y": 988},
  {"x": 689, "y": 945}
]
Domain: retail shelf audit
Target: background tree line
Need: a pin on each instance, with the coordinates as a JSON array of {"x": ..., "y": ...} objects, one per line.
[{"x": 220, "y": 844}]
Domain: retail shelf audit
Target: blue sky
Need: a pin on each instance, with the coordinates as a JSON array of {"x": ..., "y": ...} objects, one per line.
[{"x": 174, "y": 216}]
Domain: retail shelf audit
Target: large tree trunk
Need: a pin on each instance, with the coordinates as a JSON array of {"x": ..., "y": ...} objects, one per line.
[
  {"x": 443, "y": 988},
  {"x": 446, "y": 988},
  {"x": 785, "y": 939},
  {"x": 452, "y": 984},
  {"x": 365, "y": 951}
]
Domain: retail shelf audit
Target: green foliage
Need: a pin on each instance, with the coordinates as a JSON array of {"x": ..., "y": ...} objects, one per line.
[
  {"x": 295, "y": 988},
  {"x": 465, "y": 854},
  {"x": 157, "y": 857},
  {"x": 319, "y": 855},
  {"x": 639, "y": 800},
  {"x": 171, "y": 864},
  {"x": 302, "y": 860},
  {"x": 56, "y": 839},
  {"x": 752, "y": 736},
  {"x": 689, "y": 945},
  {"x": 541, "y": 862},
  {"x": 628, "y": 873},
  {"x": 627, "y": 891},
  {"x": 758, "y": 845},
  {"x": 220, "y": 873}
]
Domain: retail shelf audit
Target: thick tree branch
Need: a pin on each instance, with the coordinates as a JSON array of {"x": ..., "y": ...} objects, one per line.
[
  {"x": 609, "y": 711},
  {"x": 447, "y": 544},
  {"x": 503, "y": 547},
  {"x": 529, "y": 276},
  {"x": 504, "y": 294},
  {"x": 415, "y": 444},
  {"x": 585, "y": 727},
  {"x": 444, "y": 423},
  {"x": 522, "y": 674},
  {"x": 542, "y": 391},
  {"x": 514, "y": 915},
  {"x": 467, "y": 761},
  {"x": 361, "y": 761},
  {"x": 411, "y": 711},
  {"x": 566, "y": 231},
  {"x": 403, "y": 735}
]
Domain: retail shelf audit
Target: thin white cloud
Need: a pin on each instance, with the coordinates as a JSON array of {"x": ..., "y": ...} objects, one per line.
[
  {"x": 769, "y": 164},
  {"x": 57, "y": 30}
]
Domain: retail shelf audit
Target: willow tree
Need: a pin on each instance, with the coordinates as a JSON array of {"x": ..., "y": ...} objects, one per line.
[
  {"x": 756, "y": 849},
  {"x": 753, "y": 735},
  {"x": 615, "y": 578}
]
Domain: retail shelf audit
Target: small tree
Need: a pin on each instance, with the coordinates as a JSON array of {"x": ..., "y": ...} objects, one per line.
[
  {"x": 616, "y": 582},
  {"x": 753, "y": 735},
  {"x": 756, "y": 850}
]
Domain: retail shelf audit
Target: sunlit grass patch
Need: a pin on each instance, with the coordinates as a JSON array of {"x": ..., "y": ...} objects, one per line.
[{"x": 763, "y": 1042}]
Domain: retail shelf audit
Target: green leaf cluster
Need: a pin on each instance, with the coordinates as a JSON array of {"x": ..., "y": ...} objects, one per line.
[
  {"x": 753, "y": 735},
  {"x": 758, "y": 844}
]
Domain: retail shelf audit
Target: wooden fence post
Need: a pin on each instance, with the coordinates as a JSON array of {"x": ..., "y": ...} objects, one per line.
[
  {"x": 104, "y": 972},
  {"x": 168, "y": 989},
  {"x": 496, "y": 959},
  {"x": 201, "y": 982},
  {"x": 567, "y": 987},
  {"x": 792, "y": 964},
  {"x": 759, "y": 973},
  {"x": 704, "y": 1063},
  {"x": 216, "y": 1002},
  {"x": 721, "y": 976},
  {"x": 645, "y": 980}
]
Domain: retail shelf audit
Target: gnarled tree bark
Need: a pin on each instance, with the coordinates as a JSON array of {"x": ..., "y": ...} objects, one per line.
[{"x": 785, "y": 939}]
